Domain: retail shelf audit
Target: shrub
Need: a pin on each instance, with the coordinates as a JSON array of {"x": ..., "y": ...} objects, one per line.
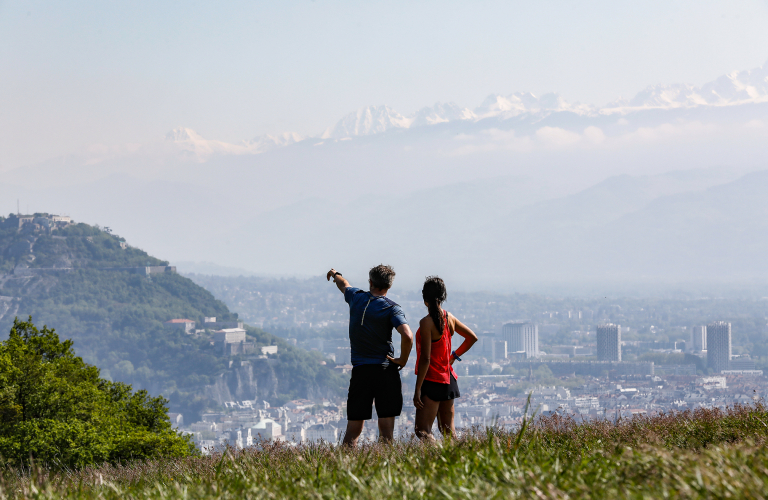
[{"x": 55, "y": 410}]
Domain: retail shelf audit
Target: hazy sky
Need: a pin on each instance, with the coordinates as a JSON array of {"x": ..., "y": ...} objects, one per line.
[{"x": 80, "y": 73}]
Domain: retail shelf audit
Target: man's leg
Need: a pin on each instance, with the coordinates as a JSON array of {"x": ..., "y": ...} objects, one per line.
[
  {"x": 359, "y": 404},
  {"x": 389, "y": 401},
  {"x": 425, "y": 418},
  {"x": 354, "y": 429},
  {"x": 387, "y": 429}
]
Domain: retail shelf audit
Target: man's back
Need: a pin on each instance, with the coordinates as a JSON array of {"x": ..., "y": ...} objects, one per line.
[{"x": 371, "y": 320}]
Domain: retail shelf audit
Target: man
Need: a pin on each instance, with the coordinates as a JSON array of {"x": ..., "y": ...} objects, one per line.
[{"x": 375, "y": 372}]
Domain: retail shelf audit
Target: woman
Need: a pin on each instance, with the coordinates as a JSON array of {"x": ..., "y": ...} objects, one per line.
[{"x": 436, "y": 385}]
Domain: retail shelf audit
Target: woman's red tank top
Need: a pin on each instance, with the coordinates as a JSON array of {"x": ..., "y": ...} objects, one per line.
[{"x": 440, "y": 369}]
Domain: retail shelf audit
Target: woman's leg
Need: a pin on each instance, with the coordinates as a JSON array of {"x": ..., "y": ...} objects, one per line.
[
  {"x": 445, "y": 418},
  {"x": 425, "y": 418}
]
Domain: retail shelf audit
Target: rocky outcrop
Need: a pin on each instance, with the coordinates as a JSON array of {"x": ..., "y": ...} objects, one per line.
[{"x": 252, "y": 380}]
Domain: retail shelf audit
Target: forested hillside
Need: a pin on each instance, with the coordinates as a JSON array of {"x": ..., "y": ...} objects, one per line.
[{"x": 88, "y": 285}]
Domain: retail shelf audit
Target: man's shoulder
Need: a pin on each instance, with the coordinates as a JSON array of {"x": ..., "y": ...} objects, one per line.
[
  {"x": 350, "y": 292},
  {"x": 388, "y": 302}
]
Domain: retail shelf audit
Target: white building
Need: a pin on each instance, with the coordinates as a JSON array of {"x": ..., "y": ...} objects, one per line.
[
  {"x": 208, "y": 446},
  {"x": 177, "y": 419},
  {"x": 324, "y": 432},
  {"x": 267, "y": 429},
  {"x": 712, "y": 382},
  {"x": 203, "y": 427},
  {"x": 586, "y": 402},
  {"x": 230, "y": 340},
  {"x": 182, "y": 324},
  {"x": 233, "y": 438},
  {"x": 269, "y": 349},
  {"x": 491, "y": 348},
  {"x": 297, "y": 434},
  {"x": 521, "y": 336},
  {"x": 699, "y": 338}
]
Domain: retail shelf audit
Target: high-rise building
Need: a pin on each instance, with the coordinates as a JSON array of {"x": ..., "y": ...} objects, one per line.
[
  {"x": 699, "y": 338},
  {"x": 491, "y": 348},
  {"x": 521, "y": 336},
  {"x": 499, "y": 350},
  {"x": 609, "y": 342},
  {"x": 718, "y": 345}
]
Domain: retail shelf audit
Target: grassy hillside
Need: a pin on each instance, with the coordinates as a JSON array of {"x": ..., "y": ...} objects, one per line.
[
  {"x": 116, "y": 317},
  {"x": 701, "y": 454}
]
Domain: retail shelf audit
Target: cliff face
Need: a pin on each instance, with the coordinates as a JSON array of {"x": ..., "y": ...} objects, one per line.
[{"x": 252, "y": 380}]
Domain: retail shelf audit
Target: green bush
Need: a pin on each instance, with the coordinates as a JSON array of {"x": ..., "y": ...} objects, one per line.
[{"x": 54, "y": 408}]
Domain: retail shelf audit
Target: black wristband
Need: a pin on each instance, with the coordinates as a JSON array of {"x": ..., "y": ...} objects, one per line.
[{"x": 337, "y": 274}]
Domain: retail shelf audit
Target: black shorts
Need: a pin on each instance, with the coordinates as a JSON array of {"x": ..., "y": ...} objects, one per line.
[
  {"x": 371, "y": 383},
  {"x": 441, "y": 392}
]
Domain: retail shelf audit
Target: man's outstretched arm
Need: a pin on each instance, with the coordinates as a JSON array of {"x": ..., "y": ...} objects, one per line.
[{"x": 341, "y": 283}]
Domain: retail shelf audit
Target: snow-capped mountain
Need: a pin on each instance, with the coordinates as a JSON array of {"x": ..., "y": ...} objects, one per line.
[
  {"x": 367, "y": 121},
  {"x": 189, "y": 141},
  {"x": 441, "y": 113},
  {"x": 737, "y": 87},
  {"x": 269, "y": 141},
  {"x": 525, "y": 102},
  {"x": 378, "y": 119}
]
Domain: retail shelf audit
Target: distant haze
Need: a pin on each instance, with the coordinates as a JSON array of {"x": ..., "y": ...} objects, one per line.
[
  {"x": 504, "y": 146},
  {"x": 87, "y": 74}
]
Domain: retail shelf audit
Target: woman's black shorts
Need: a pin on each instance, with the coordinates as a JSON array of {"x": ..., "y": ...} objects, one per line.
[{"x": 441, "y": 392}]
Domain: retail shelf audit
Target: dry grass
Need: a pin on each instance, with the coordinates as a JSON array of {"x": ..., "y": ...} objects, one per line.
[{"x": 703, "y": 453}]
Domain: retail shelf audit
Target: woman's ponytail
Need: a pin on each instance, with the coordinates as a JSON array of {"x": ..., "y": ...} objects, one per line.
[{"x": 434, "y": 294}]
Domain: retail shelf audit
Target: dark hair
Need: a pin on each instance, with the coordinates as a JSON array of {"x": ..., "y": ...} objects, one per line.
[
  {"x": 434, "y": 294},
  {"x": 381, "y": 277}
]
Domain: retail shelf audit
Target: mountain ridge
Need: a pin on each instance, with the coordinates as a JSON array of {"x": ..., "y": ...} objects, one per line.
[{"x": 735, "y": 88}]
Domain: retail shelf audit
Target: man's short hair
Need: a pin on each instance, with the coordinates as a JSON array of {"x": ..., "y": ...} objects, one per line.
[{"x": 381, "y": 277}]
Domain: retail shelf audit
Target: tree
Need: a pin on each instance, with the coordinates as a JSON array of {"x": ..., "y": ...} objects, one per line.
[{"x": 55, "y": 409}]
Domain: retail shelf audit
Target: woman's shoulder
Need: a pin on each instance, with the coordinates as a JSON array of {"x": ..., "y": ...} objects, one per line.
[
  {"x": 426, "y": 322},
  {"x": 451, "y": 320}
]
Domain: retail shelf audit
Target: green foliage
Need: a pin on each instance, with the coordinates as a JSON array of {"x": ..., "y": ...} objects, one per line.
[
  {"x": 55, "y": 409},
  {"x": 703, "y": 454}
]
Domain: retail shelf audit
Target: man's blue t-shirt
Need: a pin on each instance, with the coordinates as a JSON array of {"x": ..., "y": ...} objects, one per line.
[{"x": 371, "y": 320}]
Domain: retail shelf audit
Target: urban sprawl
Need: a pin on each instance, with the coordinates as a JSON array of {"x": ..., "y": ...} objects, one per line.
[{"x": 506, "y": 376}]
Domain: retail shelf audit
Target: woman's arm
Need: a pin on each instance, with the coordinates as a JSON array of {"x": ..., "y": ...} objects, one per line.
[
  {"x": 469, "y": 336},
  {"x": 425, "y": 338}
]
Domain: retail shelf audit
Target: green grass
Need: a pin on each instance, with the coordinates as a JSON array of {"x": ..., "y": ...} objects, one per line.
[{"x": 706, "y": 453}]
